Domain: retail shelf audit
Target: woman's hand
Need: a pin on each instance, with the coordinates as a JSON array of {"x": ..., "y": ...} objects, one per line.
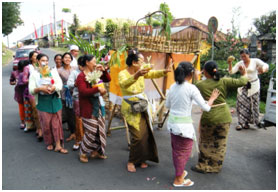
[
  {"x": 215, "y": 93},
  {"x": 43, "y": 89},
  {"x": 100, "y": 67},
  {"x": 242, "y": 70},
  {"x": 141, "y": 72},
  {"x": 50, "y": 89},
  {"x": 102, "y": 91}
]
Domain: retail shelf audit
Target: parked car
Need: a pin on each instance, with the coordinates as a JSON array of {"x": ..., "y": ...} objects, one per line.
[
  {"x": 269, "y": 118},
  {"x": 23, "y": 54}
]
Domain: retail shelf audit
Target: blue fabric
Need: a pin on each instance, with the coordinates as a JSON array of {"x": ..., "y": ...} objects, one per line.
[{"x": 68, "y": 97}]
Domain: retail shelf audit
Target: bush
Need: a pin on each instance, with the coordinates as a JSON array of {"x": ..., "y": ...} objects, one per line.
[{"x": 264, "y": 80}]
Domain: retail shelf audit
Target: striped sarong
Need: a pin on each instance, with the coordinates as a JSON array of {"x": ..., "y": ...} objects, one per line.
[
  {"x": 94, "y": 138},
  {"x": 248, "y": 107}
]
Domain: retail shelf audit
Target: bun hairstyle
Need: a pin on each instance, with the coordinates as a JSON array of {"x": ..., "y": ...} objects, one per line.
[
  {"x": 42, "y": 55},
  {"x": 133, "y": 55},
  {"x": 244, "y": 51},
  {"x": 84, "y": 59},
  {"x": 212, "y": 69},
  {"x": 80, "y": 60},
  {"x": 183, "y": 70}
]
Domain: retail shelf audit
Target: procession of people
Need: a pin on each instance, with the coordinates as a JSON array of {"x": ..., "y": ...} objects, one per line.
[{"x": 72, "y": 92}]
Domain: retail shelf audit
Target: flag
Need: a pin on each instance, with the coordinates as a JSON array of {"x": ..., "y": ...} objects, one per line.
[
  {"x": 42, "y": 31},
  {"x": 62, "y": 31},
  {"x": 36, "y": 35},
  {"x": 51, "y": 29}
]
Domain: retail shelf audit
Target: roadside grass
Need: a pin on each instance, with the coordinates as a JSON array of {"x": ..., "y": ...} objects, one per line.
[
  {"x": 60, "y": 50},
  {"x": 7, "y": 55}
]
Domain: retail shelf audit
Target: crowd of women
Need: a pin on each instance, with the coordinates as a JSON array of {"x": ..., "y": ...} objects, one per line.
[{"x": 47, "y": 97}]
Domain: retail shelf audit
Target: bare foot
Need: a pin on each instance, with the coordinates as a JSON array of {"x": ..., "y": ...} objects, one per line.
[{"x": 131, "y": 168}]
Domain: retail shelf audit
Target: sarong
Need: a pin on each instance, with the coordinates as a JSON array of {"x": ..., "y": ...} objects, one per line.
[
  {"x": 213, "y": 143},
  {"x": 21, "y": 111},
  {"x": 181, "y": 150},
  {"x": 28, "y": 114},
  {"x": 79, "y": 131},
  {"x": 95, "y": 135},
  {"x": 68, "y": 116},
  {"x": 51, "y": 124},
  {"x": 142, "y": 146},
  {"x": 248, "y": 107}
]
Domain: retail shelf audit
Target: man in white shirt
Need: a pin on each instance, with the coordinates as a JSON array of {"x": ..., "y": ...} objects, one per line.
[{"x": 74, "y": 51}]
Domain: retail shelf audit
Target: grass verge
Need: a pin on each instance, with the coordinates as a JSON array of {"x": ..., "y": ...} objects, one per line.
[{"x": 7, "y": 55}]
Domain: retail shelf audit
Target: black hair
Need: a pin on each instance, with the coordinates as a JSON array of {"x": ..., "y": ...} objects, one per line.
[
  {"x": 86, "y": 58},
  {"x": 31, "y": 55},
  {"x": 244, "y": 51},
  {"x": 67, "y": 53},
  {"x": 80, "y": 60},
  {"x": 183, "y": 70},
  {"x": 21, "y": 64},
  {"x": 133, "y": 55},
  {"x": 42, "y": 55},
  {"x": 57, "y": 55},
  {"x": 212, "y": 69}
]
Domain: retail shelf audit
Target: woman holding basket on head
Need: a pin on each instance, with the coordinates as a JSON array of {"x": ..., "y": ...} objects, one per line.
[{"x": 131, "y": 81}]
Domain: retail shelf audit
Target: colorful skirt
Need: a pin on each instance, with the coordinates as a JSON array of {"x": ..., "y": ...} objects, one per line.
[
  {"x": 142, "y": 146},
  {"x": 212, "y": 146},
  {"x": 51, "y": 124},
  {"x": 248, "y": 107},
  {"x": 95, "y": 135},
  {"x": 28, "y": 114},
  {"x": 181, "y": 150}
]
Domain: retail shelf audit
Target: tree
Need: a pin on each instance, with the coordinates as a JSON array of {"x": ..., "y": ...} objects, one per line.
[
  {"x": 66, "y": 10},
  {"x": 75, "y": 25},
  {"x": 110, "y": 28},
  {"x": 10, "y": 17},
  {"x": 266, "y": 24},
  {"x": 98, "y": 27}
]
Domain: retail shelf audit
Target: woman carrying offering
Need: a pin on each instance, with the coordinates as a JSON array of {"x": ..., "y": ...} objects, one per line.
[
  {"x": 46, "y": 85},
  {"x": 90, "y": 86},
  {"x": 248, "y": 96},
  {"x": 131, "y": 81}
]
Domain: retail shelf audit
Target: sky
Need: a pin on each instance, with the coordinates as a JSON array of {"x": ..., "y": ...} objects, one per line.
[{"x": 40, "y": 12}]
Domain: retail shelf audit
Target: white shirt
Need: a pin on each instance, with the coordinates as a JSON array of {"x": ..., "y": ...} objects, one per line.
[
  {"x": 179, "y": 101},
  {"x": 251, "y": 74},
  {"x": 74, "y": 63},
  {"x": 71, "y": 81}
]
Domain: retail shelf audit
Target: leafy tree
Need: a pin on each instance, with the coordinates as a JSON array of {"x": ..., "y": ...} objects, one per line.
[
  {"x": 110, "y": 28},
  {"x": 75, "y": 25},
  {"x": 98, "y": 28},
  {"x": 10, "y": 17},
  {"x": 266, "y": 24},
  {"x": 66, "y": 10}
]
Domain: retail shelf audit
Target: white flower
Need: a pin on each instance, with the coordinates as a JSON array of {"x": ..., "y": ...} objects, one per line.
[{"x": 93, "y": 77}]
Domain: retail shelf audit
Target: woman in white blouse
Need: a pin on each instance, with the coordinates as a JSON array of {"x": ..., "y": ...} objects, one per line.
[
  {"x": 248, "y": 96},
  {"x": 179, "y": 102}
]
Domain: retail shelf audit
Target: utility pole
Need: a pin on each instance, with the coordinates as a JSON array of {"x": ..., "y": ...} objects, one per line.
[{"x": 54, "y": 19}]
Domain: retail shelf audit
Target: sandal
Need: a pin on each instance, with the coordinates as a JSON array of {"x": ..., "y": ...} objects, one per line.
[
  {"x": 61, "y": 150},
  {"x": 131, "y": 168},
  {"x": 97, "y": 155},
  {"x": 71, "y": 137},
  {"x": 238, "y": 127},
  {"x": 144, "y": 165},
  {"x": 186, "y": 183},
  {"x": 246, "y": 126},
  {"x": 83, "y": 158}
]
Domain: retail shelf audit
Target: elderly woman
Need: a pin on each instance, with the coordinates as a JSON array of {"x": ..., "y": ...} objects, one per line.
[
  {"x": 45, "y": 85},
  {"x": 248, "y": 96},
  {"x": 92, "y": 109},
  {"x": 131, "y": 80}
]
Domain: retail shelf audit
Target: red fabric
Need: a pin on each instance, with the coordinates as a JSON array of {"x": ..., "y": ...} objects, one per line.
[
  {"x": 86, "y": 91},
  {"x": 21, "y": 111}
]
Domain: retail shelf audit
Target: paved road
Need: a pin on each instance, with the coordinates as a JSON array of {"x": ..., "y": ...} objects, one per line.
[{"x": 250, "y": 160}]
